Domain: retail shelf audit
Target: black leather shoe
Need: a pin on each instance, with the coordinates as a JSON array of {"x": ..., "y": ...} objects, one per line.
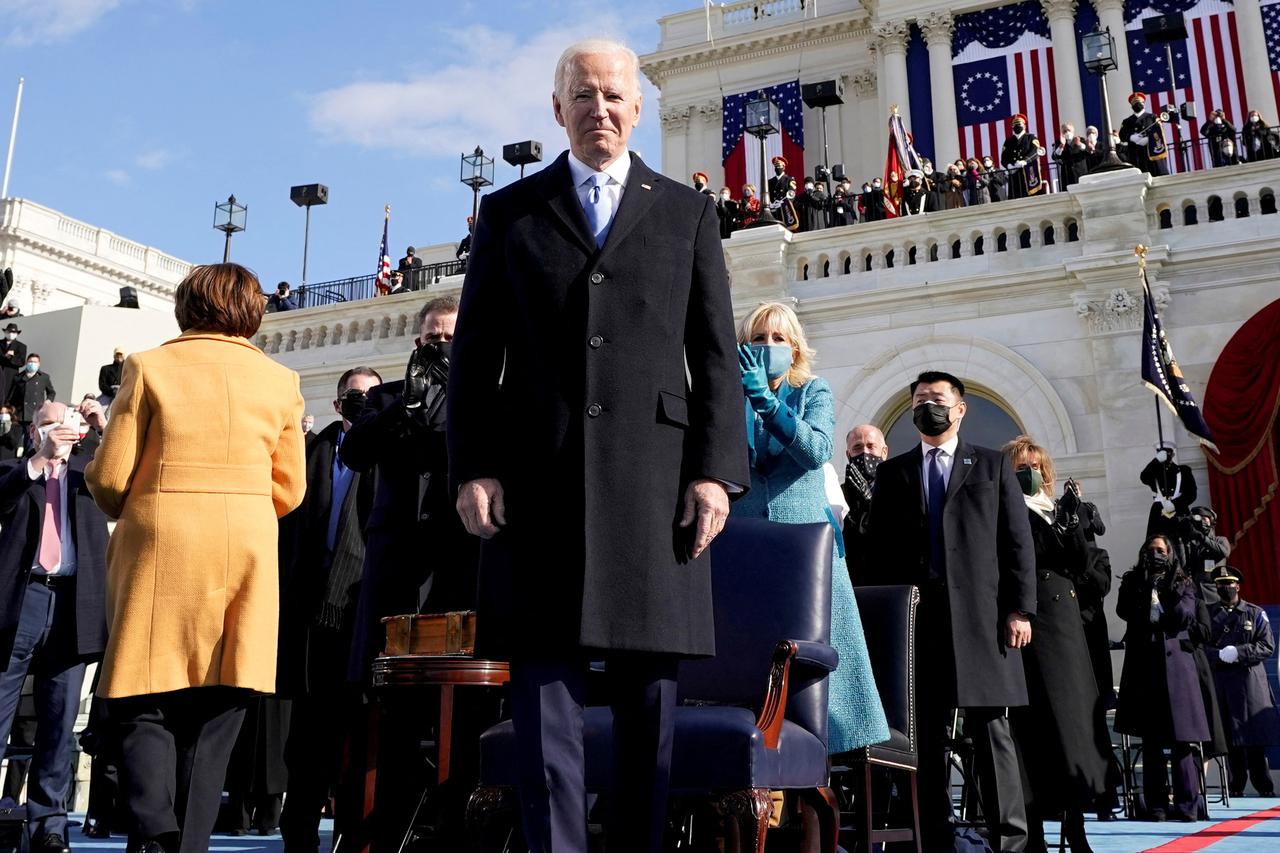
[{"x": 53, "y": 843}]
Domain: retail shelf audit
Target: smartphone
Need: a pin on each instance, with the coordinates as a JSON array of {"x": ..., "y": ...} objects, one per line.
[{"x": 73, "y": 420}]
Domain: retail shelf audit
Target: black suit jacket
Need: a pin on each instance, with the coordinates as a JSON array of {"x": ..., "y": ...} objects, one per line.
[
  {"x": 418, "y": 556},
  {"x": 990, "y": 563},
  {"x": 21, "y": 515},
  {"x": 568, "y": 384},
  {"x": 18, "y": 348}
]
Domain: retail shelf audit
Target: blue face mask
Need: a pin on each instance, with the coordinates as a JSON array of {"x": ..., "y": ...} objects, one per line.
[
  {"x": 776, "y": 359},
  {"x": 32, "y": 367}
]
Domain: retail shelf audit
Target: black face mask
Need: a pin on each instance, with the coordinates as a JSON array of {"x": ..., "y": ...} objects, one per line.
[
  {"x": 351, "y": 403},
  {"x": 1017, "y": 128},
  {"x": 1154, "y": 561},
  {"x": 1137, "y": 108},
  {"x": 932, "y": 419},
  {"x": 866, "y": 464}
]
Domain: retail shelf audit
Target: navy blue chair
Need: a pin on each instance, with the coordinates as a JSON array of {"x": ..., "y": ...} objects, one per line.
[{"x": 753, "y": 718}]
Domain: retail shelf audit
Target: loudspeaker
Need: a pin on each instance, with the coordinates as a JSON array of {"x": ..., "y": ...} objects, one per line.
[
  {"x": 838, "y": 172},
  {"x": 828, "y": 93},
  {"x": 522, "y": 153},
  {"x": 309, "y": 194},
  {"x": 1159, "y": 29},
  {"x": 128, "y": 297}
]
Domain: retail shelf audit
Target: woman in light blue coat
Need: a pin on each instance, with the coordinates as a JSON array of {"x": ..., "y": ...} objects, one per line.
[{"x": 790, "y": 420}]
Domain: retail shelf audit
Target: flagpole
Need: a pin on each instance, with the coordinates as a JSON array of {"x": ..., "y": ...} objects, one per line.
[
  {"x": 13, "y": 136},
  {"x": 1159, "y": 425}
]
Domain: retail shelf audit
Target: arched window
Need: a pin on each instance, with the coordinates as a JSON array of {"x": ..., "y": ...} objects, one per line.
[
  {"x": 1215, "y": 209},
  {"x": 888, "y": 259},
  {"x": 1166, "y": 218},
  {"x": 1002, "y": 242}
]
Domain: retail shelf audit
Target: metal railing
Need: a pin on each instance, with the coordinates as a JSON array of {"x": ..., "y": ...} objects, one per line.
[{"x": 366, "y": 286}]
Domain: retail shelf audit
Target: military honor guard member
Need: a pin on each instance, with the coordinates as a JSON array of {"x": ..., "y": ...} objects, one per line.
[
  {"x": 1143, "y": 136},
  {"x": 1021, "y": 156}
]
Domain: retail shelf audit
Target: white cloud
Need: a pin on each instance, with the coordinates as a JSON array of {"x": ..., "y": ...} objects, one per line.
[
  {"x": 494, "y": 88},
  {"x": 28, "y": 22},
  {"x": 119, "y": 177},
  {"x": 154, "y": 159}
]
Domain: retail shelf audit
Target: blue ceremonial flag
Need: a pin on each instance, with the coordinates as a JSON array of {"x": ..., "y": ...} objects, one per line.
[
  {"x": 982, "y": 91},
  {"x": 1160, "y": 371}
]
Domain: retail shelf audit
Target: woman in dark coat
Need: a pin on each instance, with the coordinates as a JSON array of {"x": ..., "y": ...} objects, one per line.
[
  {"x": 1062, "y": 733},
  {"x": 1161, "y": 696},
  {"x": 953, "y": 189}
]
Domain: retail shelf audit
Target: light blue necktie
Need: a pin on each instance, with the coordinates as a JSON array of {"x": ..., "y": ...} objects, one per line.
[{"x": 599, "y": 207}]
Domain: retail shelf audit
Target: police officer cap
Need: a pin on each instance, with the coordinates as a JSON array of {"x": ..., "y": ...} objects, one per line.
[{"x": 1225, "y": 574}]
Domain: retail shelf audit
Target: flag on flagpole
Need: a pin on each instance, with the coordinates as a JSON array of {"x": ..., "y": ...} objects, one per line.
[
  {"x": 1160, "y": 371},
  {"x": 383, "y": 283},
  {"x": 896, "y": 164}
]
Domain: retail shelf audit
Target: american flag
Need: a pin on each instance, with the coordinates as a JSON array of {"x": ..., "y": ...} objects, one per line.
[
  {"x": 1271, "y": 26},
  {"x": 1002, "y": 65},
  {"x": 1206, "y": 68},
  {"x": 741, "y": 153},
  {"x": 384, "y": 259}
]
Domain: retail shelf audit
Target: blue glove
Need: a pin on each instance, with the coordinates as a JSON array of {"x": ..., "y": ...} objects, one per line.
[{"x": 754, "y": 382}]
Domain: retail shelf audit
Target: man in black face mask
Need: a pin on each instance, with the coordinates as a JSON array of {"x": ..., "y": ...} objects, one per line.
[
  {"x": 419, "y": 557},
  {"x": 865, "y": 448},
  {"x": 1240, "y": 643},
  {"x": 949, "y": 517},
  {"x": 322, "y": 556},
  {"x": 1021, "y": 156},
  {"x": 1143, "y": 138},
  {"x": 1199, "y": 544}
]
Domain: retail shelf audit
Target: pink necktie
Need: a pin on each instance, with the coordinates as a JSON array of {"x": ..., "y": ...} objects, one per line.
[{"x": 51, "y": 528}]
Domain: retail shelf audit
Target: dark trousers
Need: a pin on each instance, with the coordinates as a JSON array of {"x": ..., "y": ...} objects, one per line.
[
  {"x": 320, "y": 722},
  {"x": 22, "y": 735},
  {"x": 174, "y": 749},
  {"x": 1186, "y": 778},
  {"x": 45, "y": 646},
  {"x": 547, "y": 698},
  {"x": 1250, "y": 761}
]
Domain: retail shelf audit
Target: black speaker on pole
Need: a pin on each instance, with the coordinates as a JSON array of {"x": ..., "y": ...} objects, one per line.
[
  {"x": 309, "y": 194},
  {"x": 1159, "y": 29},
  {"x": 522, "y": 153},
  {"x": 128, "y": 298},
  {"x": 828, "y": 93}
]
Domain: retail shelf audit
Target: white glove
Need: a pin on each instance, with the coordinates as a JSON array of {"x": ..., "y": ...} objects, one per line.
[
  {"x": 1020, "y": 163},
  {"x": 1138, "y": 138},
  {"x": 1228, "y": 654},
  {"x": 1167, "y": 506}
]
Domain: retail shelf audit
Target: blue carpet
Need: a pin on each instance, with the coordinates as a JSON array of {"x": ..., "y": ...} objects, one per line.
[{"x": 1131, "y": 836}]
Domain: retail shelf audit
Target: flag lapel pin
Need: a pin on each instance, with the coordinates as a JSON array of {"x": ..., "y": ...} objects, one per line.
[{"x": 646, "y": 186}]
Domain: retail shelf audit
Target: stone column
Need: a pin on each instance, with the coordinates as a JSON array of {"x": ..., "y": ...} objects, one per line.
[
  {"x": 1120, "y": 81},
  {"x": 890, "y": 42},
  {"x": 938, "y": 28},
  {"x": 1066, "y": 65},
  {"x": 1259, "y": 94}
]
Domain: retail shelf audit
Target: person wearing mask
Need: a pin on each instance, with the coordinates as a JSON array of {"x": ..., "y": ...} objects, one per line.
[
  {"x": 1173, "y": 491},
  {"x": 1216, "y": 132},
  {"x": 1200, "y": 548},
  {"x": 1258, "y": 141},
  {"x": 781, "y": 182},
  {"x": 948, "y": 517},
  {"x": 871, "y": 202},
  {"x": 1063, "y": 740},
  {"x": 953, "y": 189},
  {"x": 1071, "y": 155},
  {"x": 410, "y": 269},
  {"x": 1143, "y": 135},
  {"x": 10, "y": 309},
  {"x": 749, "y": 207},
  {"x": 1241, "y": 643},
  {"x": 914, "y": 194},
  {"x": 308, "y": 427},
  {"x": 31, "y": 389},
  {"x": 865, "y": 449},
  {"x": 813, "y": 204},
  {"x": 53, "y": 551},
  {"x": 997, "y": 180},
  {"x": 1228, "y": 155},
  {"x": 790, "y": 418},
  {"x": 975, "y": 184},
  {"x": 282, "y": 299},
  {"x": 109, "y": 377},
  {"x": 728, "y": 212},
  {"x": 319, "y": 589},
  {"x": 700, "y": 181},
  {"x": 11, "y": 441},
  {"x": 843, "y": 205},
  {"x": 1021, "y": 155},
  {"x": 1093, "y": 150},
  {"x": 13, "y": 355},
  {"x": 1160, "y": 693},
  {"x": 192, "y": 598}
]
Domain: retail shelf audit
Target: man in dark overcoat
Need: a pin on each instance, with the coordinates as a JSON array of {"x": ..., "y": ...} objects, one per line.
[
  {"x": 13, "y": 355},
  {"x": 1021, "y": 155},
  {"x": 949, "y": 516},
  {"x": 53, "y": 567},
  {"x": 595, "y": 430},
  {"x": 1241, "y": 642},
  {"x": 30, "y": 390}
]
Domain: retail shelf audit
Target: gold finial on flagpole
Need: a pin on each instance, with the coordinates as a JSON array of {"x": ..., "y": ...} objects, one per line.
[
  {"x": 387, "y": 210},
  {"x": 893, "y": 109},
  {"x": 1141, "y": 251}
]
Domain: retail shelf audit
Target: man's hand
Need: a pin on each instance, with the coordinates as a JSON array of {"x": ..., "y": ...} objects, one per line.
[
  {"x": 57, "y": 444},
  {"x": 708, "y": 502},
  {"x": 91, "y": 411},
  {"x": 481, "y": 507},
  {"x": 1018, "y": 630},
  {"x": 415, "y": 379}
]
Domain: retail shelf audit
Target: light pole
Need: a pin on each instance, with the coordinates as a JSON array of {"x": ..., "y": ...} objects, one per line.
[
  {"x": 229, "y": 217},
  {"x": 307, "y": 195},
  {"x": 477, "y": 172},
  {"x": 761, "y": 120},
  {"x": 1100, "y": 57}
]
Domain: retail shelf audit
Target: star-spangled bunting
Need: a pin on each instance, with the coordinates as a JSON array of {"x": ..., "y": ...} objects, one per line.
[
  {"x": 1271, "y": 29},
  {"x": 741, "y": 153}
]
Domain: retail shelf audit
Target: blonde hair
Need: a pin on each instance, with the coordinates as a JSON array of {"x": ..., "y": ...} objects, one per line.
[
  {"x": 777, "y": 315},
  {"x": 1025, "y": 445}
]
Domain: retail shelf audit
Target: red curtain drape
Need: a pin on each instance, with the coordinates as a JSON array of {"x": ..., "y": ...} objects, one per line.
[{"x": 1241, "y": 406}]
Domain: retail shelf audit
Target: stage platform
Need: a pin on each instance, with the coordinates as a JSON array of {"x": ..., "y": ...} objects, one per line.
[{"x": 1251, "y": 825}]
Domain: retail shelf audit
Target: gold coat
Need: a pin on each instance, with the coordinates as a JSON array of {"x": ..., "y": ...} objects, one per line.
[{"x": 202, "y": 455}]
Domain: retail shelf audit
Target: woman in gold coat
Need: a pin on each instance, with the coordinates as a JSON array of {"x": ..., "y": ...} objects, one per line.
[{"x": 202, "y": 455}]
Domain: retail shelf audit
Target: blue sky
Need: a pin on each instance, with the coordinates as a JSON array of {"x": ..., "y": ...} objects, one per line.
[{"x": 139, "y": 114}]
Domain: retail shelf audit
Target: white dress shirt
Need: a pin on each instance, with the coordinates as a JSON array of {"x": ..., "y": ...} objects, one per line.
[
  {"x": 617, "y": 172},
  {"x": 67, "y": 566},
  {"x": 946, "y": 455}
]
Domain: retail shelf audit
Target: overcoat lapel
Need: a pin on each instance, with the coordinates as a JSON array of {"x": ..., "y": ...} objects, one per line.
[
  {"x": 914, "y": 483},
  {"x": 960, "y": 468},
  {"x": 562, "y": 197},
  {"x": 643, "y": 187}
]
